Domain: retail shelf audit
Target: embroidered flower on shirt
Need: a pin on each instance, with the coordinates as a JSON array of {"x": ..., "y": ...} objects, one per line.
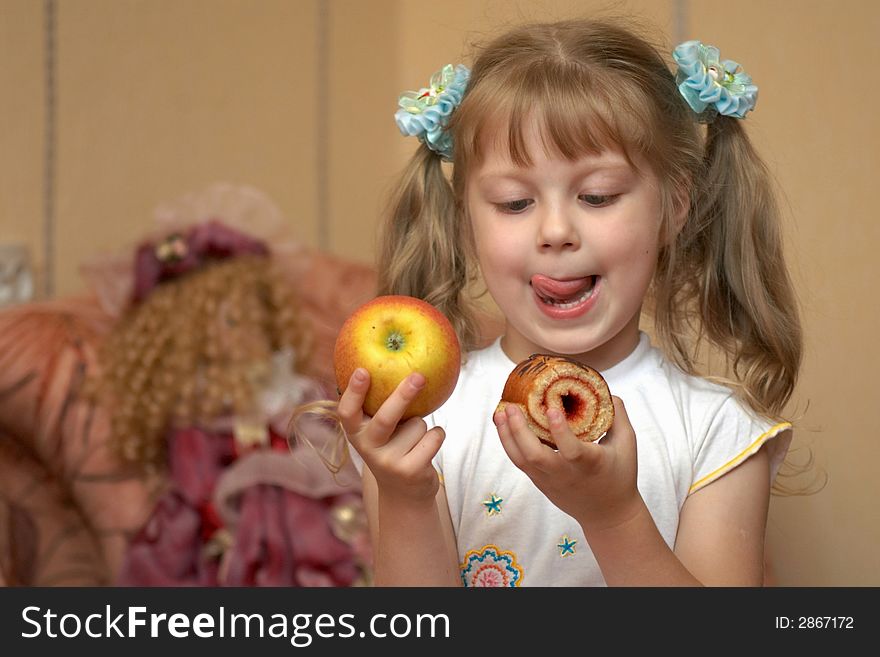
[
  {"x": 490, "y": 566},
  {"x": 566, "y": 547},
  {"x": 493, "y": 505}
]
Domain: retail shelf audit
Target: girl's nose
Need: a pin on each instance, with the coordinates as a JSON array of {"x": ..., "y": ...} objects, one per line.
[{"x": 557, "y": 231}]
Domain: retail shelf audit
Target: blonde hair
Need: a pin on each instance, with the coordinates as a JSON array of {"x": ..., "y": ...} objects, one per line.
[
  {"x": 593, "y": 85},
  {"x": 196, "y": 348}
]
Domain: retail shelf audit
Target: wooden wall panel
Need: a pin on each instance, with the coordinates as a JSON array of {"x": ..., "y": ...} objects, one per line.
[
  {"x": 161, "y": 97},
  {"x": 21, "y": 126},
  {"x": 362, "y": 66},
  {"x": 815, "y": 125}
]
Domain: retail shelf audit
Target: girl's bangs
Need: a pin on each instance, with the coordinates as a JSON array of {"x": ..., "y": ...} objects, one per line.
[{"x": 576, "y": 114}]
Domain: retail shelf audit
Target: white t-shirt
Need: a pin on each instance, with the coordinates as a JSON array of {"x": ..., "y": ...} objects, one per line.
[{"x": 689, "y": 432}]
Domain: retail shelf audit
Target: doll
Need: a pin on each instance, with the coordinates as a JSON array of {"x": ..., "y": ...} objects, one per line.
[{"x": 199, "y": 377}]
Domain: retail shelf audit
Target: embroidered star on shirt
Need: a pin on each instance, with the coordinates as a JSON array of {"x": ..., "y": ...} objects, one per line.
[
  {"x": 493, "y": 504},
  {"x": 566, "y": 547}
]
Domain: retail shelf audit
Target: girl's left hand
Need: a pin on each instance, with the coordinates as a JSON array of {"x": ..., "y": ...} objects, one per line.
[{"x": 593, "y": 483}]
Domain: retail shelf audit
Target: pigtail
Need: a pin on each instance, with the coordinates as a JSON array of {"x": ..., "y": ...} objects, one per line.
[
  {"x": 423, "y": 246},
  {"x": 730, "y": 251}
]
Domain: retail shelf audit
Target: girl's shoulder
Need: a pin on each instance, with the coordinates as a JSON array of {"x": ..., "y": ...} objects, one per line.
[
  {"x": 705, "y": 418},
  {"x": 650, "y": 377},
  {"x": 649, "y": 368}
]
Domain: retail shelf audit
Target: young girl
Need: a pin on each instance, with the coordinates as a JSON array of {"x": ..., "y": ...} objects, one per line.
[{"x": 589, "y": 183}]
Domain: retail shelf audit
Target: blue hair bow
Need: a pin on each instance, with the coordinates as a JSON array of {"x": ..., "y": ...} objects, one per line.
[
  {"x": 425, "y": 113},
  {"x": 710, "y": 85}
]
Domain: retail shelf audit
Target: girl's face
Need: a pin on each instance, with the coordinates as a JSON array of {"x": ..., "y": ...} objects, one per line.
[{"x": 567, "y": 250}]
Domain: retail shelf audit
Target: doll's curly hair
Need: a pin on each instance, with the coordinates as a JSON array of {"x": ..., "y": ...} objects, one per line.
[{"x": 196, "y": 348}]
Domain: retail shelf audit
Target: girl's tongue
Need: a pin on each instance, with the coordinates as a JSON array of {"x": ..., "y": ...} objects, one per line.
[{"x": 552, "y": 288}]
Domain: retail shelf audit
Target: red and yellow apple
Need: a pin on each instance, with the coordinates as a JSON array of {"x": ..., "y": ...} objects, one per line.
[{"x": 392, "y": 337}]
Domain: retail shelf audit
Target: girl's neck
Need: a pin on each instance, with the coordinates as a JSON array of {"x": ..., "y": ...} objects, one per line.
[{"x": 602, "y": 357}]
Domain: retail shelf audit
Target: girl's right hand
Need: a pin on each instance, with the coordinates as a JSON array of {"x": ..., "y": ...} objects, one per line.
[{"x": 399, "y": 456}]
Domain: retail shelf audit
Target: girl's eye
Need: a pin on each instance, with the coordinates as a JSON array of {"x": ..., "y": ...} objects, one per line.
[
  {"x": 514, "y": 207},
  {"x": 598, "y": 200}
]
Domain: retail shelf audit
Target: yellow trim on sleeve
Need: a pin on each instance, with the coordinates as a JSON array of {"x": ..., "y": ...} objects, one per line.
[{"x": 772, "y": 432}]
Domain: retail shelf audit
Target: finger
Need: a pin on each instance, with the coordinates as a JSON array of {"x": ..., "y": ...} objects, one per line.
[
  {"x": 406, "y": 436},
  {"x": 621, "y": 434},
  {"x": 507, "y": 440},
  {"x": 379, "y": 429},
  {"x": 424, "y": 451},
  {"x": 531, "y": 448},
  {"x": 351, "y": 403},
  {"x": 570, "y": 447}
]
